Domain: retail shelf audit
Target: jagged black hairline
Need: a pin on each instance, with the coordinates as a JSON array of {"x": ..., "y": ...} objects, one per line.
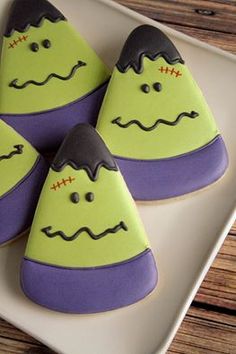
[
  {"x": 152, "y": 57},
  {"x": 91, "y": 175},
  {"x": 37, "y": 25}
]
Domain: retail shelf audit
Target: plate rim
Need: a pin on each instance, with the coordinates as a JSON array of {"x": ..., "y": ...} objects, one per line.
[{"x": 166, "y": 342}]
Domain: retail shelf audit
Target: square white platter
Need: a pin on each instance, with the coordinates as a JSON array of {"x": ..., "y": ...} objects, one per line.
[{"x": 185, "y": 234}]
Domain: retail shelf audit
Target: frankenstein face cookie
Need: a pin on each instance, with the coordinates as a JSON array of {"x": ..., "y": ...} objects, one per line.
[
  {"x": 22, "y": 172},
  {"x": 87, "y": 245},
  {"x": 50, "y": 78},
  {"x": 156, "y": 122}
]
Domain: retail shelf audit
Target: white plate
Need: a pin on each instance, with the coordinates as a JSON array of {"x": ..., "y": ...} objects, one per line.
[{"x": 185, "y": 234}]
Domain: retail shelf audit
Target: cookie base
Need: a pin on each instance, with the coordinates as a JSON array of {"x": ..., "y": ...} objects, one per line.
[
  {"x": 89, "y": 290},
  {"x": 168, "y": 178},
  {"x": 18, "y": 205},
  {"x": 46, "y": 130}
]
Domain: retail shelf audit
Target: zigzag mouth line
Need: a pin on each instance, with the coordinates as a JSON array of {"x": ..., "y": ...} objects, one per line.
[
  {"x": 14, "y": 84},
  {"x": 113, "y": 230},
  {"x": 191, "y": 115},
  {"x": 18, "y": 150}
]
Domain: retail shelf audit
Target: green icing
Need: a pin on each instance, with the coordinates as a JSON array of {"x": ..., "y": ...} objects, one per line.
[
  {"x": 67, "y": 47},
  {"x": 13, "y": 170},
  {"x": 112, "y": 204},
  {"x": 125, "y": 99}
]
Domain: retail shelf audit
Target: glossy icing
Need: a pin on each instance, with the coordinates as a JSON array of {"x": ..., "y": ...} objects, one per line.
[
  {"x": 14, "y": 83},
  {"x": 34, "y": 65},
  {"x": 111, "y": 230},
  {"x": 126, "y": 101},
  {"x": 156, "y": 122},
  {"x": 46, "y": 130},
  {"x": 168, "y": 178},
  {"x": 89, "y": 290},
  {"x": 17, "y": 150},
  {"x": 17, "y": 158},
  {"x": 146, "y": 41},
  {"x": 82, "y": 221},
  {"x": 25, "y": 13},
  {"x": 182, "y": 115},
  {"x": 88, "y": 152},
  {"x": 111, "y": 198}
]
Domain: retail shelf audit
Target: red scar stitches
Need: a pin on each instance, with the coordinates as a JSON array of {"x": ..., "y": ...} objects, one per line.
[
  {"x": 15, "y": 42},
  {"x": 61, "y": 183},
  {"x": 170, "y": 71}
]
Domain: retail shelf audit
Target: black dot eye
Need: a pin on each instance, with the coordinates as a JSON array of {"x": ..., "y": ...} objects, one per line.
[
  {"x": 89, "y": 197},
  {"x": 145, "y": 88},
  {"x": 157, "y": 86},
  {"x": 34, "y": 47},
  {"x": 46, "y": 43},
  {"x": 74, "y": 197}
]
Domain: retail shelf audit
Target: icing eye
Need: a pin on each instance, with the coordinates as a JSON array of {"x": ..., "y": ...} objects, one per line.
[
  {"x": 157, "y": 86},
  {"x": 34, "y": 47},
  {"x": 46, "y": 43},
  {"x": 89, "y": 197},
  {"x": 145, "y": 88},
  {"x": 74, "y": 197}
]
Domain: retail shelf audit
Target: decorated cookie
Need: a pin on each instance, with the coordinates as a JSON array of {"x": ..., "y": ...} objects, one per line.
[
  {"x": 87, "y": 251},
  {"x": 50, "y": 77},
  {"x": 22, "y": 173},
  {"x": 156, "y": 121}
]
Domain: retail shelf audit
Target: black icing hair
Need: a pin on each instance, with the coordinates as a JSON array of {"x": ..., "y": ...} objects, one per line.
[
  {"x": 83, "y": 148},
  {"x": 26, "y": 13},
  {"x": 146, "y": 41}
]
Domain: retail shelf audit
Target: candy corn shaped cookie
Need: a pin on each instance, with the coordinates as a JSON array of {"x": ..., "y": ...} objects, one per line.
[
  {"x": 157, "y": 123},
  {"x": 87, "y": 251},
  {"x": 50, "y": 77}
]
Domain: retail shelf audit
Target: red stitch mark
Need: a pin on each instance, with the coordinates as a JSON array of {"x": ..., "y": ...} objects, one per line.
[
  {"x": 171, "y": 71},
  {"x": 19, "y": 40},
  {"x": 63, "y": 182}
]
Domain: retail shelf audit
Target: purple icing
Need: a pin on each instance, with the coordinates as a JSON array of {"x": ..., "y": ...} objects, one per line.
[
  {"x": 166, "y": 178},
  {"x": 46, "y": 130},
  {"x": 89, "y": 290},
  {"x": 18, "y": 205}
]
